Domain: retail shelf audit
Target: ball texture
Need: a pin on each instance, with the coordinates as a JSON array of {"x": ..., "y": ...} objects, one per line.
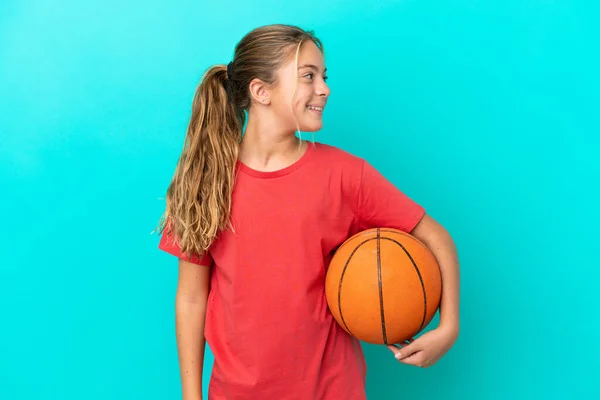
[{"x": 383, "y": 286}]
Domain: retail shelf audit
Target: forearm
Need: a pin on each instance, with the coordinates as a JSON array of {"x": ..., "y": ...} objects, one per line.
[
  {"x": 443, "y": 247},
  {"x": 438, "y": 240},
  {"x": 190, "y": 317}
]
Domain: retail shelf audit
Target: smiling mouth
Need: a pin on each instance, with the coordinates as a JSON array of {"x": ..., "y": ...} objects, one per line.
[{"x": 315, "y": 108}]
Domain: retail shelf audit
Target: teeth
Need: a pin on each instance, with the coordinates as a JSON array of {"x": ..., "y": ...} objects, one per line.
[{"x": 315, "y": 108}]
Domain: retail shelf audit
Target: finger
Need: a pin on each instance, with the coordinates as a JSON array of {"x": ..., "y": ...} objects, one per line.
[
  {"x": 403, "y": 343},
  {"x": 418, "y": 359},
  {"x": 414, "y": 359},
  {"x": 408, "y": 350}
]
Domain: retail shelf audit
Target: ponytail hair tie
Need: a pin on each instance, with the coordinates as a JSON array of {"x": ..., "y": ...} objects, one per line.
[{"x": 229, "y": 71}]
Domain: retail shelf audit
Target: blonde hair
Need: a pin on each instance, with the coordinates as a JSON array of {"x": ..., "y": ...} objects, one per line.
[{"x": 198, "y": 201}]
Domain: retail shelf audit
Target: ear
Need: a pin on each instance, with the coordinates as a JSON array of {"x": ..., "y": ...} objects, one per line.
[{"x": 259, "y": 91}]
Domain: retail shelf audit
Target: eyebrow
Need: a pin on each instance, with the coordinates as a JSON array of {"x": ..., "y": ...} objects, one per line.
[{"x": 310, "y": 66}]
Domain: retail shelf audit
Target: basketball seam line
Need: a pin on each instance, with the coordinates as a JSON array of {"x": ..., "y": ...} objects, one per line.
[
  {"x": 342, "y": 280},
  {"x": 380, "y": 284},
  {"x": 402, "y": 233},
  {"x": 420, "y": 280},
  {"x": 381, "y": 296}
]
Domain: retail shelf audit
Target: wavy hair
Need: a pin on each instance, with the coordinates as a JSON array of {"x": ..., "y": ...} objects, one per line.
[{"x": 198, "y": 200}]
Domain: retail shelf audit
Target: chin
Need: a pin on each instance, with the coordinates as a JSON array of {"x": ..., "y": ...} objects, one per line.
[
  {"x": 310, "y": 130},
  {"x": 312, "y": 127},
  {"x": 308, "y": 122}
]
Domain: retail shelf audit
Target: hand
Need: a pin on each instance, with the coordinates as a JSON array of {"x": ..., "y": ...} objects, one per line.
[{"x": 427, "y": 349}]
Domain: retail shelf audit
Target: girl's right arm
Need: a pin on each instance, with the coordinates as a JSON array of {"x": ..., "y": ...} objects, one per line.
[{"x": 190, "y": 312}]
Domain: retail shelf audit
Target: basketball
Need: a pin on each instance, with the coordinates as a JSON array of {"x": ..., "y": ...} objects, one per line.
[{"x": 383, "y": 286}]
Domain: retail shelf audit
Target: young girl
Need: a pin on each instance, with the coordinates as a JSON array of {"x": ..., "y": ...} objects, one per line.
[{"x": 255, "y": 219}]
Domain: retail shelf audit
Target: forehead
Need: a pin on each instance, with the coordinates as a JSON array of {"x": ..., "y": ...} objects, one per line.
[{"x": 309, "y": 55}]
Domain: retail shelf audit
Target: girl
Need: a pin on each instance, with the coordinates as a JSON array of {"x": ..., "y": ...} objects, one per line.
[{"x": 254, "y": 220}]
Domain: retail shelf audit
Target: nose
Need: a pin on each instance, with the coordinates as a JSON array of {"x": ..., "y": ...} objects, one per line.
[{"x": 323, "y": 89}]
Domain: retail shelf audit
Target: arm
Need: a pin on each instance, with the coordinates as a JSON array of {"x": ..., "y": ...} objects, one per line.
[
  {"x": 431, "y": 346},
  {"x": 439, "y": 241},
  {"x": 380, "y": 203},
  {"x": 190, "y": 311}
]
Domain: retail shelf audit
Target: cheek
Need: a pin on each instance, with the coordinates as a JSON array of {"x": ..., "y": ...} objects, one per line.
[
  {"x": 303, "y": 95},
  {"x": 286, "y": 100}
]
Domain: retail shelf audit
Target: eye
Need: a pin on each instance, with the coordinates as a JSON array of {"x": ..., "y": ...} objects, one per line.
[{"x": 310, "y": 75}]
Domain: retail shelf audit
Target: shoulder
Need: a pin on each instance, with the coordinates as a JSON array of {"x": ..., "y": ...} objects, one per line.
[
  {"x": 336, "y": 157},
  {"x": 336, "y": 166}
]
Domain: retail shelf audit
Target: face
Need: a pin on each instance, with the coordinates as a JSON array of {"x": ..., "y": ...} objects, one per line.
[{"x": 308, "y": 103}]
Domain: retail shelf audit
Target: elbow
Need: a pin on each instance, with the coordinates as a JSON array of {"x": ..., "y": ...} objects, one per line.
[
  {"x": 197, "y": 298},
  {"x": 433, "y": 234},
  {"x": 429, "y": 229}
]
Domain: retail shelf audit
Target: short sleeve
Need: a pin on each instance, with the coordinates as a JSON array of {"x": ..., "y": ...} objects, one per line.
[
  {"x": 169, "y": 244},
  {"x": 381, "y": 204}
]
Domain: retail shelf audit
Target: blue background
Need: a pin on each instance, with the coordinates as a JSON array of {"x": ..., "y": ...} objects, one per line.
[{"x": 487, "y": 113}]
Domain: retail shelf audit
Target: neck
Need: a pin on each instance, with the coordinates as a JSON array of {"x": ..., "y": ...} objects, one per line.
[{"x": 265, "y": 146}]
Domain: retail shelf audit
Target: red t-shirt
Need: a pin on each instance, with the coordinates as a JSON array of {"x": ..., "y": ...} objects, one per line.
[{"x": 267, "y": 320}]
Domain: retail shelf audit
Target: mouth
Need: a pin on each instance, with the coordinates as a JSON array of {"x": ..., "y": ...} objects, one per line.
[{"x": 316, "y": 109}]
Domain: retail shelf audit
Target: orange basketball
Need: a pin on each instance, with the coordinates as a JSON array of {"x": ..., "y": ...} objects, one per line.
[{"x": 383, "y": 286}]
